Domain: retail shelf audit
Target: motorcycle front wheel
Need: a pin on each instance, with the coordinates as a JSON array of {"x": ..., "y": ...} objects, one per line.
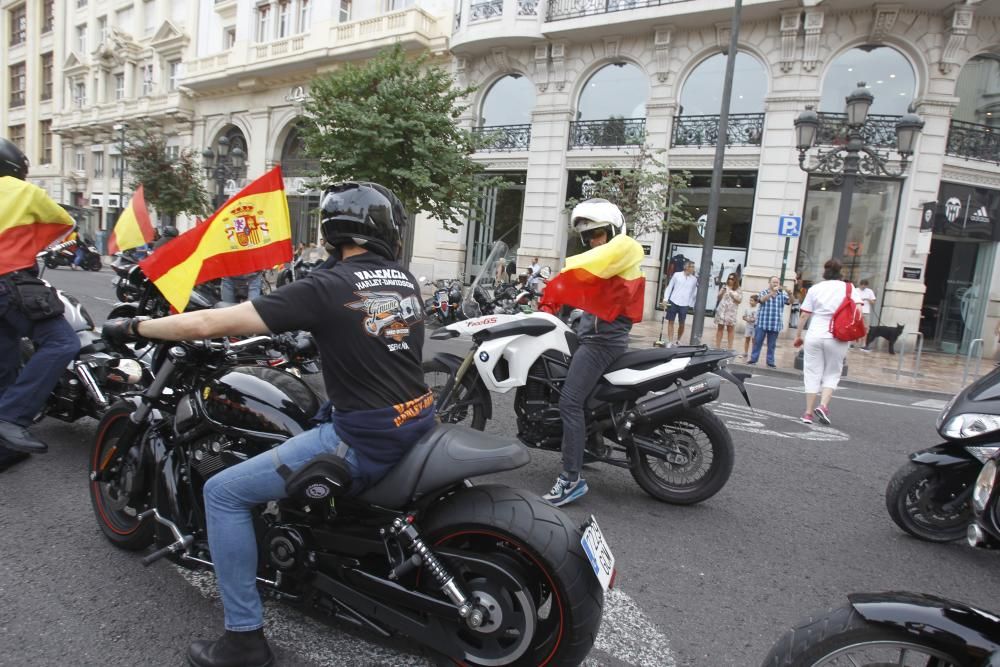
[
  {"x": 844, "y": 637},
  {"x": 114, "y": 500},
  {"x": 928, "y": 503},
  {"x": 462, "y": 405},
  {"x": 699, "y": 458},
  {"x": 548, "y": 611}
]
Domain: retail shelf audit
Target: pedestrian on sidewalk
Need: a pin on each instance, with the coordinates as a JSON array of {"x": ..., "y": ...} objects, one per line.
[
  {"x": 770, "y": 316},
  {"x": 677, "y": 298},
  {"x": 726, "y": 309},
  {"x": 867, "y": 296},
  {"x": 750, "y": 317},
  {"x": 823, "y": 359}
]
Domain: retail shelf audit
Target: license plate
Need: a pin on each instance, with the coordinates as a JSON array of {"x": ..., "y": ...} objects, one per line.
[{"x": 598, "y": 553}]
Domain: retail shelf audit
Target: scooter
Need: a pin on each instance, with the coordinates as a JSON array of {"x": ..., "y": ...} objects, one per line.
[
  {"x": 928, "y": 497},
  {"x": 64, "y": 254}
]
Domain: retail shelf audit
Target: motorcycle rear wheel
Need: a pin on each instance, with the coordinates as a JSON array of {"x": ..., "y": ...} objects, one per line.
[
  {"x": 115, "y": 515},
  {"x": 912, "y": 499},
  {"x": 464, "y": 405},
  {"x": 92, "y": 263},
  {"x": 703, "y": 451},
  {"x": 844, "y": 637},
  {"x": 540, "y": 545}
]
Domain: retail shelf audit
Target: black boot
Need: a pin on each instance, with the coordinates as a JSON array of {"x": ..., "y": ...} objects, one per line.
[
  {"x": 8, "y": 458},
  {"x": 13, "y": 436},
  {"x": 233, "y": 649}
]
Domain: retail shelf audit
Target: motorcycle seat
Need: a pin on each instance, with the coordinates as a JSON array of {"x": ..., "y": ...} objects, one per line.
[
  {"x": 447, "y": 454},
  {"x": 642, "y": 359}
]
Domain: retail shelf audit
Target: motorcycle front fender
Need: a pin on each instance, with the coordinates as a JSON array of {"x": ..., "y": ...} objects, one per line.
[
  {"x": 453, "y": 362},
  {"x": 945, "y": 455},
  {"x": 956, "y": 628}
]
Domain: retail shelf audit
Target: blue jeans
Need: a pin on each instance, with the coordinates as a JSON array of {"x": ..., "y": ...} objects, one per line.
[
  {"x": 585, "y": 370},
  {"x": 758, "y": 341},
  {"x": 23, "y": 394},
  {"x": 228, "y": 287},
  {"x": 229, "y": 497}
]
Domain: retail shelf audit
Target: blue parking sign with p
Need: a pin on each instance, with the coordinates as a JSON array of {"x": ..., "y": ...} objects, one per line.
[{"x": 789, "y": 225}]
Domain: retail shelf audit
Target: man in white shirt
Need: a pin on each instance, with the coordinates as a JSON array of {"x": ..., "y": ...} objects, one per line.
[
  {"x": 867, "y": 297},
  {"x": 677, "y": 298}
]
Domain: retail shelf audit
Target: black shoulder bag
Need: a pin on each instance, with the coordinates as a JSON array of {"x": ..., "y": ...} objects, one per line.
[{"x": 36, "y": 300}]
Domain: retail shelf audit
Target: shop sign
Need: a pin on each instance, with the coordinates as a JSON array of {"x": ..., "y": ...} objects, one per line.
[
  {"x": 647, "y": 249},
  {"x": 962, "y": 210},
  {"x": 911, "y": 272}
]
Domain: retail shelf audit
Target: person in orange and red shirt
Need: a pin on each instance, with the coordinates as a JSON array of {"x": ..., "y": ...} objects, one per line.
[
  {"x": 28, "y": 307},
  {"x": 606, "y": 283}
]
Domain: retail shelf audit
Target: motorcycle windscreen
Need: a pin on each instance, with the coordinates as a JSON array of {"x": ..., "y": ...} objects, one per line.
[{"x": 482, "y": 287}]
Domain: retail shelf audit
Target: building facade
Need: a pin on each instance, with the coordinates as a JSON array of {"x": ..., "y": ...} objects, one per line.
[{"x": 568, "y": 85}]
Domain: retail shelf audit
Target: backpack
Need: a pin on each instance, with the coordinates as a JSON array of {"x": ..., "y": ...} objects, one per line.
[{"x": 847, "y": 323}]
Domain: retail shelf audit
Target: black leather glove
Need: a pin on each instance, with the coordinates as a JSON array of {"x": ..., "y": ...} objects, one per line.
[{"x": 122, "y": 330}]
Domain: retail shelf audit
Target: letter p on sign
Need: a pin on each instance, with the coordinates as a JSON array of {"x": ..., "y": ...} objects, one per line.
[{"x": 789, "y": 225}]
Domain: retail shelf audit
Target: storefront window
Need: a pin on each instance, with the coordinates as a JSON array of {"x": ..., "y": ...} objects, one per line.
[
  {"x": 509, "y": 101},
  {"x": 869, "y": 233},
  {"x": 498, "y": 219},
  {"x": 885, "y": 70}
]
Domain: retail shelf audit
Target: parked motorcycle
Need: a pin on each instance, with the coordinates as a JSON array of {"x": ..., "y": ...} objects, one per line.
[
  {"x": 485, "y": 575},
  {"x": 531, "y": 291},
  {"x": 64, "y": 254},
  {"x": 984, "y": 531},
  {"x": 882, "y": 629},
  {"x": 446, "y": 304},
  {"x": 647, "y": 414},
  {"x": 929, "y": 496}
]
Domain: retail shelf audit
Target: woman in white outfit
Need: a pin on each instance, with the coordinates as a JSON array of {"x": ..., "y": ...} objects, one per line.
[{"x": 824, "y": 355}]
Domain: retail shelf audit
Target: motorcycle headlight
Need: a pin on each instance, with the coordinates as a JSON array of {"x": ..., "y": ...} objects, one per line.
[
  {"x": 984, "y": 485},
  {"x": 970, "y": 425},
  {"x": 944, "y": 411}
]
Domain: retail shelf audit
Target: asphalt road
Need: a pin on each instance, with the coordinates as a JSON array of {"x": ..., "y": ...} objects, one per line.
[{"x": 801, "y": 523}]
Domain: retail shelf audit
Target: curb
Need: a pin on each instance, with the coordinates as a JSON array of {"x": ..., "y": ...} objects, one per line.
[{"x": 844, "y": 382}]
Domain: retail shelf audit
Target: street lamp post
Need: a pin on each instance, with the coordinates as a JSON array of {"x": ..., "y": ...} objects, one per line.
[
  {"x": 854, "y": 162},
  {"x": 120, "y": 129},
  {"x": 221, "y": 165}
]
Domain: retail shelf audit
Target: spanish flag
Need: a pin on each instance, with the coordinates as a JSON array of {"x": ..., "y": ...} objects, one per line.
[
  {"x": 605, "y": 281},
  {"x": 133, "y": 228},
  {"x": 250, "y": 232},
  {"x": 29, "y": 221}
]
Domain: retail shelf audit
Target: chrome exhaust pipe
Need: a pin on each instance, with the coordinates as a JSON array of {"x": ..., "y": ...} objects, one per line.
[{"x": 87, "y": 378}]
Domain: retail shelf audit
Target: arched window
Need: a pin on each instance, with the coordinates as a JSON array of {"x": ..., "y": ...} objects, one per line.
[
  {"x": 294, "y": 161},
  {"x": 978, "y": 91},
  {"x": 702, "y": 92},
  {"x": 509, "y": 101},
  {"x": 618, "y": 90},
  {"x": 887, "y": 73},
  {"x": 236, "y": 138}
]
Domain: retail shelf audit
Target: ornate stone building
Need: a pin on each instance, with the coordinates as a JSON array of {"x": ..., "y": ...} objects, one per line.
[{"x": 565, "y": 85}]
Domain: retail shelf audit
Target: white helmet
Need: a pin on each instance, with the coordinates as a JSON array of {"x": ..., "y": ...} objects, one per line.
[{"x": 596, "y": 214}]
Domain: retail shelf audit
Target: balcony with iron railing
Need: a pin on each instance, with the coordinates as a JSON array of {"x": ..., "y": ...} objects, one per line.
[
  {"x": 480, "y": 24},
  {"x": 609, "y": 133},
  {"x": 879, "y": 130},
  {"x": 559, "y": 10},
  {"x": 743, "y": 129},
  {"x": 973, "y": 141},
  {"x": 502, "y": 138}
]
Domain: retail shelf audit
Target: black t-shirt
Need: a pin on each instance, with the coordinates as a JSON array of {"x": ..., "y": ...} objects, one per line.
[{"x": 366, "y": 316}]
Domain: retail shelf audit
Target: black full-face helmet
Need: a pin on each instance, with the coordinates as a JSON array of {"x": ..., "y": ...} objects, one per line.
[
  {"x": 366, "y": 214},
  {"x": 169, "y": 231},
  {"x": 13, "y": 161}
]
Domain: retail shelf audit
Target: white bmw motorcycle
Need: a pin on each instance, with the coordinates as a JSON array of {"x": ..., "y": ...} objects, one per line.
[{"x": 647, "y": 414}]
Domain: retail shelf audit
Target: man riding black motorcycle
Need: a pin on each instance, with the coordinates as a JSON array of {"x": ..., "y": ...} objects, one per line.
[
  {"x": 28, "y": 307},
  {"x": 365, "y": 314},
  {"x": 610, "y": 292}
]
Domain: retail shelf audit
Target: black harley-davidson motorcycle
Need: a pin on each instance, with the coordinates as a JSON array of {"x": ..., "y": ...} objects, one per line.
[
  {"x": 486, "y": 575},
  {"x": 884, "y": 629},
  {"x": 648, "y": 413},
  {"x": 928, "y": 497}
]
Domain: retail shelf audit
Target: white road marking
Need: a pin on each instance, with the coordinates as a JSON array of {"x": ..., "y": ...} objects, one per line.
[
  {"x": 931, "y": 403},
  {"x": 741, "y": 418},
  {"x": 840, "y": 397},
  {"x": 626, "y": 635}
]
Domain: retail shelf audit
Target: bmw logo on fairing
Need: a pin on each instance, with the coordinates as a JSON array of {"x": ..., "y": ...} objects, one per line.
[
  {"x": 317, "y": 491},
  {"x": 484, "y": 357}
]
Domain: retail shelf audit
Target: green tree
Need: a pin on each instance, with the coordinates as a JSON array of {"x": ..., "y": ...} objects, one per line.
[
  {"x": 172, "y": 185},
  {"x": 650, "y": 198},
  {"x": 392, "y": 120}
]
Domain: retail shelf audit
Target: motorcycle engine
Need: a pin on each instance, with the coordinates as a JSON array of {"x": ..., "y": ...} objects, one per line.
[
  {"x": 537, "y": 409},
  {"x": 207, "y": 454},
  {"x": 285, "y": 547}
]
